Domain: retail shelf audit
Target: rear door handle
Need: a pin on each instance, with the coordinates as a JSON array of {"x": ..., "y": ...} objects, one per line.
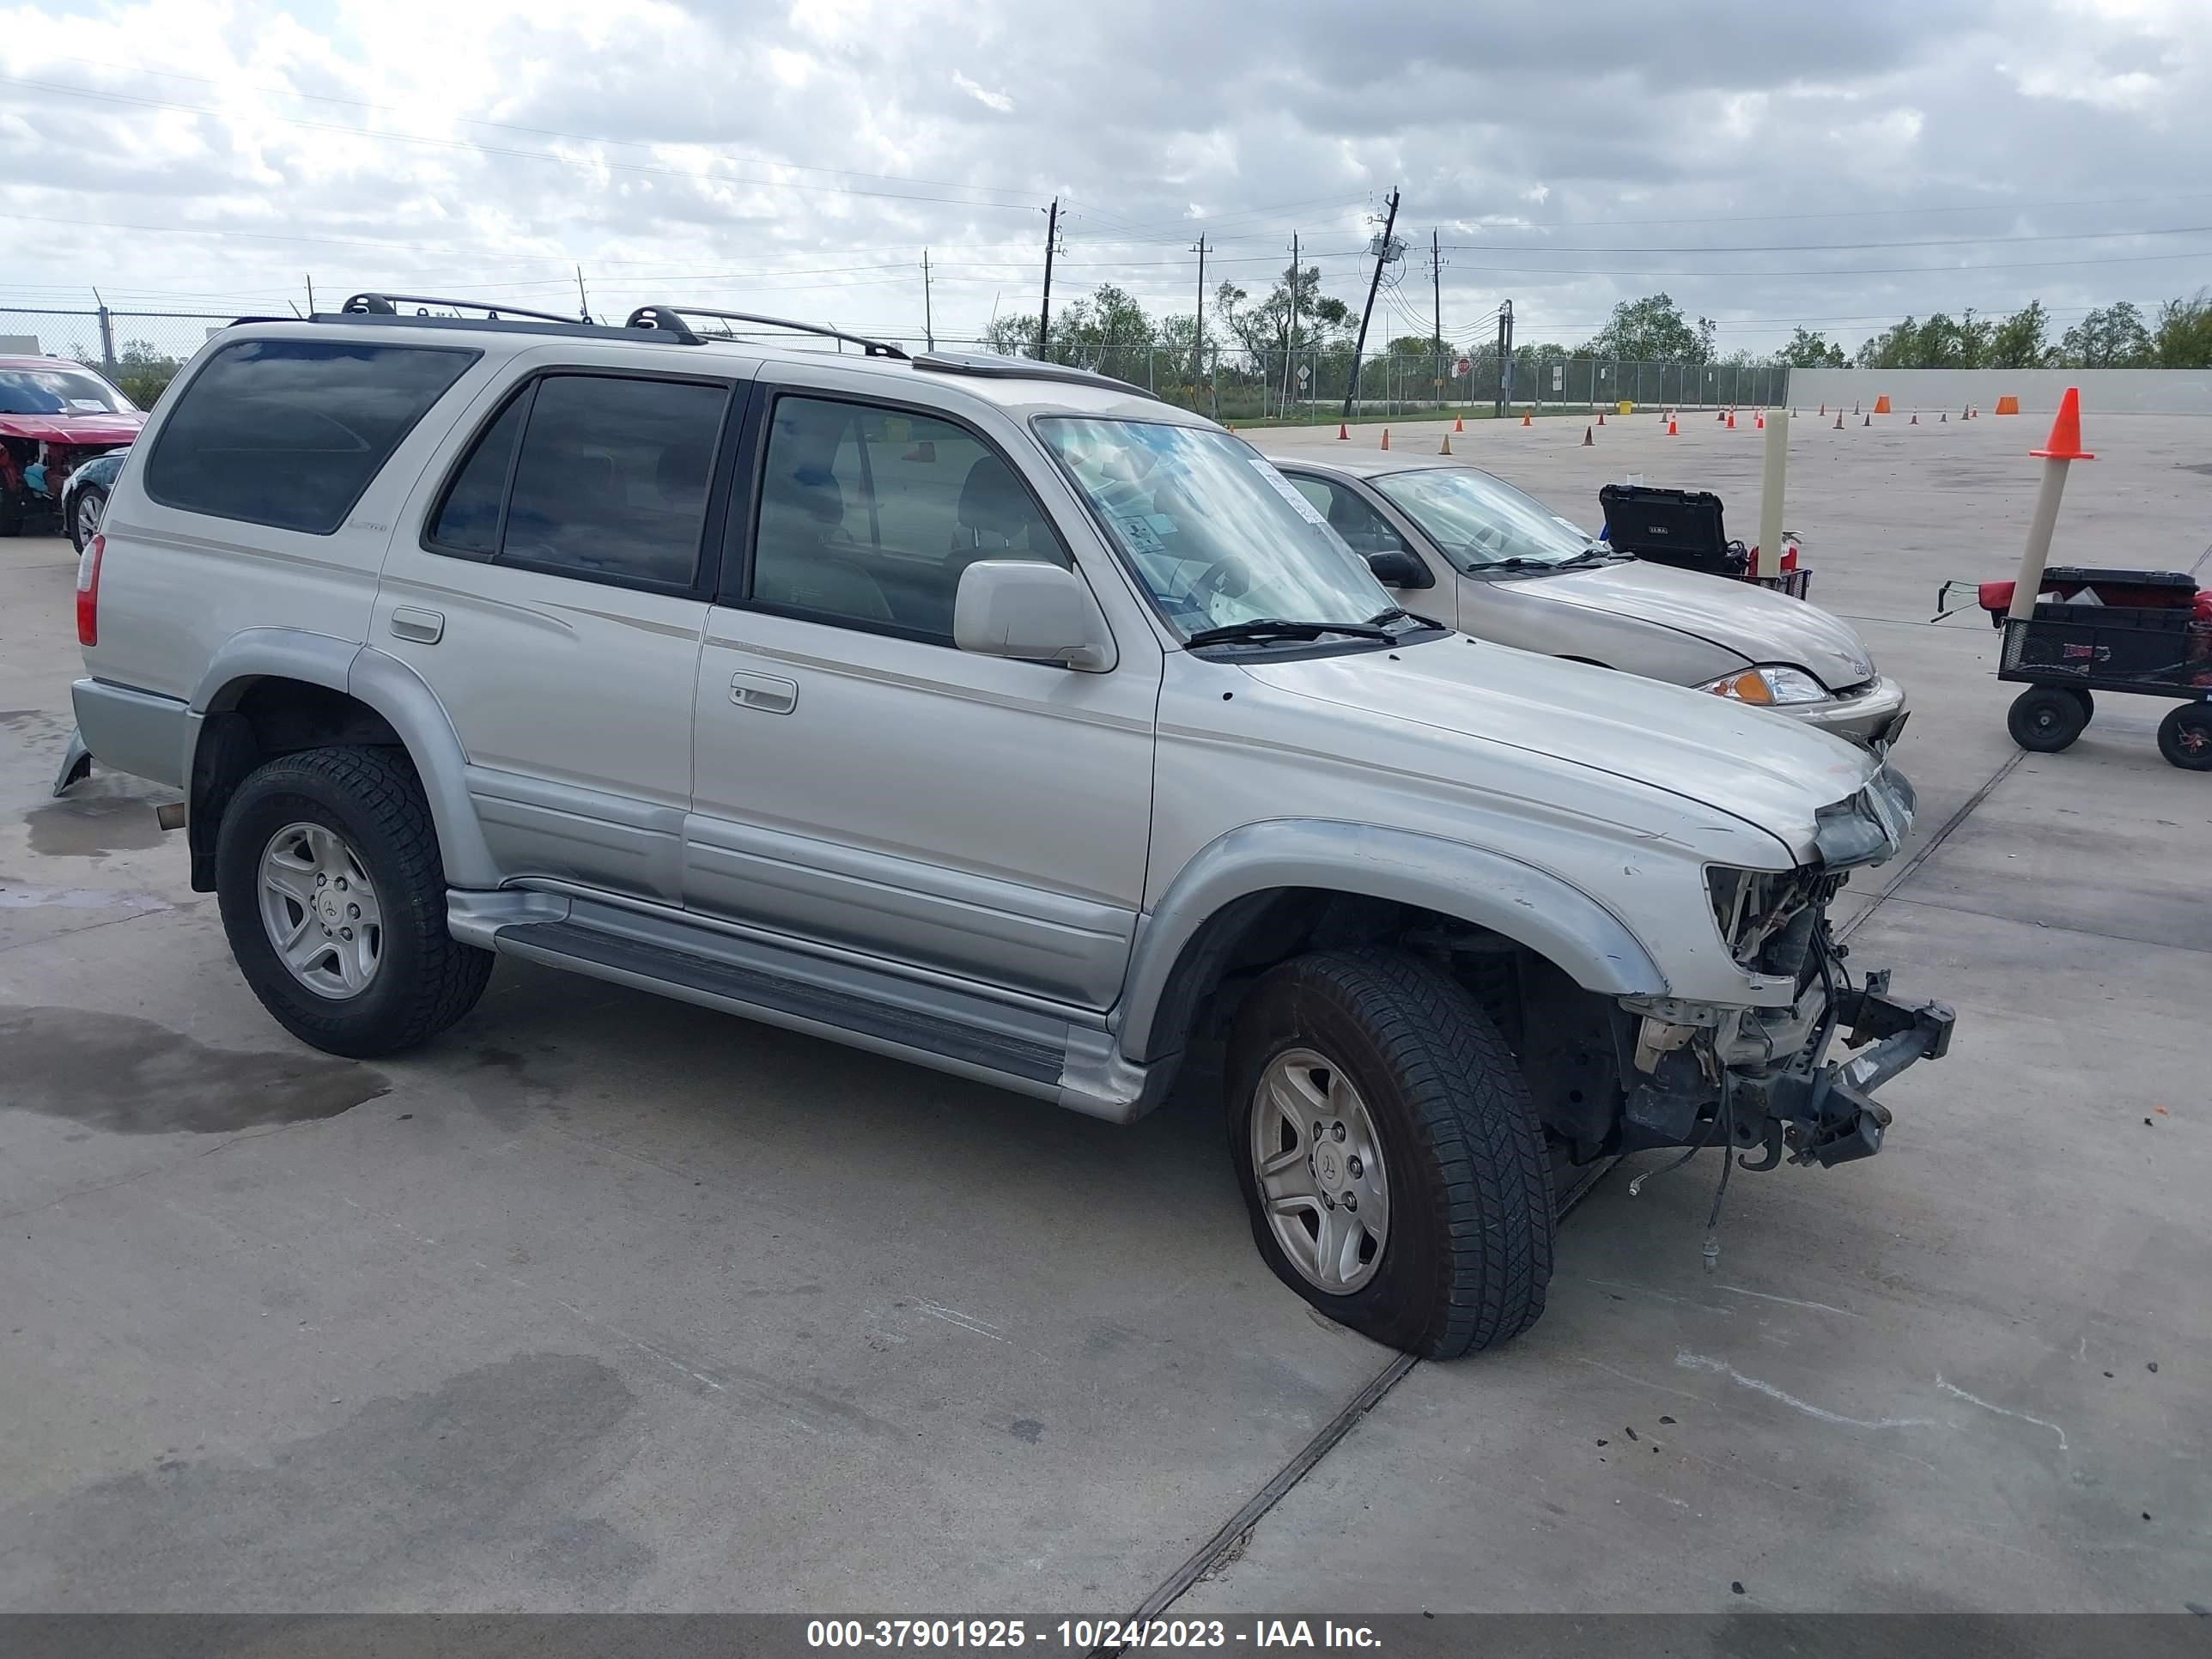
[
  {"x": 765, "y": 692},
  {"x": 424, "y": 627}
]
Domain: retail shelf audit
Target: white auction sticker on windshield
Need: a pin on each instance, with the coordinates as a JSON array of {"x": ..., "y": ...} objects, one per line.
[
  {"x": 1137, "y": 530},
  {"x": 1289, "y": 492},
  {"x": 93, "y": 405}
]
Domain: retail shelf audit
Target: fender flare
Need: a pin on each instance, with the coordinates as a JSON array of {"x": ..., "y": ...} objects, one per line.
[
  {"x": 386, "y": 684},
  {"x": 1527, "y": 905}
]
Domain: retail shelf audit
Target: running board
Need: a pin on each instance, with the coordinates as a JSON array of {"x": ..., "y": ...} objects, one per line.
[{"x": 948, "y": 1031}]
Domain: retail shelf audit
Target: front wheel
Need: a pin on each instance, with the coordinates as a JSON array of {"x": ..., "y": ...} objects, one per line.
[
  {"x": 2045, "y": 719},
  {"x": 2184, "y": 736},
  {"x": 85, "y": 514},
  {"x": 1390, "y": 1153},
  {"x": 333, "y": 896}
]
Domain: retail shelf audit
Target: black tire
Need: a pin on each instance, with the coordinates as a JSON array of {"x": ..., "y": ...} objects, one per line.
[
  {"x": 79, "y": 533},
  {"x": 2184, "y": 736},
  {"x": 425, "y": 980},
  {"x": 2081, "y": 694},
  {"x": 2045, "y": 719},
  {"x": 1467, "y": 1253}
]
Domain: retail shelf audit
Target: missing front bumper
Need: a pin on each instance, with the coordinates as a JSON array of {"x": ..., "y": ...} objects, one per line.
[{"x": 1811, "y": 1109}]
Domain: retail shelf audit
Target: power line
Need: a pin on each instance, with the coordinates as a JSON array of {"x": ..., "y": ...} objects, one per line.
[{"x": 1829, "y": 247}]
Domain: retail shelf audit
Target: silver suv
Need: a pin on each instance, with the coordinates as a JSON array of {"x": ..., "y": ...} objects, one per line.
[{"x": 982, "y": 712}]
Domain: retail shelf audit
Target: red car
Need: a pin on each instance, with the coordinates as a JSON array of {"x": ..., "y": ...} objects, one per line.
[{"x": 54, "y": 414}]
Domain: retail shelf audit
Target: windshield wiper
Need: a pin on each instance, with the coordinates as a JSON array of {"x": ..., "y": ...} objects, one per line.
[
  {"x": 1278, "y": 628},
  {"x": 1399, "y": 613}
]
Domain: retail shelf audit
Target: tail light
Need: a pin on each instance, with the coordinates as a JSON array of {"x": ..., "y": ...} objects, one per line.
[{"x": 88, "y": 591}]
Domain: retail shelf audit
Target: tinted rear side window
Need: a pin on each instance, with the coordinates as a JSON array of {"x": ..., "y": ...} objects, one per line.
[{"x": 289, "y": 432}]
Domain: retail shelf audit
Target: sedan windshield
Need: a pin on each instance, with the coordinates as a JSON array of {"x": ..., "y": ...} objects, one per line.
[
  {"x": 59, "y": 392},
  {"x": 1484, "y": 522},
  {"x": 1219, "y": 539}
]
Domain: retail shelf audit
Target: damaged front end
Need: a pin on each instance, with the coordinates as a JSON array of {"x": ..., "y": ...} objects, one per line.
[{"x": 1760, "y": 1078}]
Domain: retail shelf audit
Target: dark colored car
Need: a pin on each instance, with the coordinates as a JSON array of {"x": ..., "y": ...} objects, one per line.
[
  {"x": 84, "y": 497},
  {"x": 55, "y": 414}
]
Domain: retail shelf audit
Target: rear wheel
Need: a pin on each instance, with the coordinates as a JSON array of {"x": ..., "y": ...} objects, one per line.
[
  {"x": 2184, "y": 736},
  {"x": 2045, "y": 719},
  {"x": 2081, "y": 694},
  {"x": 333, "y": 896},
  {"x": 1389, "y": 1152}
]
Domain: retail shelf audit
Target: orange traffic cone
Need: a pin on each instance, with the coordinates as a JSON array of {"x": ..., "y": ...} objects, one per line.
[
  {"x": 1721, "y": 415},
  {"x": 1672, "y": 430},
  {"x": 1342, "y": 430},
  {"x": 1600, "y": 417},
  {"x": 1445, "y": 448},
  {"x": 1881, "y": 405},
  {"x": 1967, "y": 413},
  {"x": 1588, "y": 442},
  {"x": 1824, "y": 412},
  {"x": 1839, "y": 417},
  {"x": 1759, "y": 422},
  {"x": 1386, "y": 437},
  {"x": 1855, "y": 408},
  {"x": 1915, "y": 421},
  {"x": 1459, "y": 423},
  {"x": 1944, "y": 418},
  {"x": 1526, "y": 419},
  {"x": 1731, "y": 420},
  {"x": 1868, "y": 422},
  {"x": 2065, "y": 443},
  {"x": 1232, "y": 425}
]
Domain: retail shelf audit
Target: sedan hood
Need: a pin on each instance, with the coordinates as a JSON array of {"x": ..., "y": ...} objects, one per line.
[
  {"x": 88, "y": 431},
  {"x": 1756, "y": 624},
  {"x": 1776, "y": 773}
]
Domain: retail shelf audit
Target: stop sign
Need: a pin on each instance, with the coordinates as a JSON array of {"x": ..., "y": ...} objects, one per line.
[{"x": 1463, "y": 366}]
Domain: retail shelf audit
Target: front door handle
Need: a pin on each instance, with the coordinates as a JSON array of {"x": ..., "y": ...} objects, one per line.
[
  {"x": 765, "y": 692},
  {"x": 424, "y": 627}
]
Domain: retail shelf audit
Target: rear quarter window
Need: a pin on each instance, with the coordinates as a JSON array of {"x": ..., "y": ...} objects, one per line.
[{"x": 289, "y": 432}]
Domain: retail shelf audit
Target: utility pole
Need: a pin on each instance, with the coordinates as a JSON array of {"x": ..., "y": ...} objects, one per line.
[
  {"x": 928, "y": 326},
  {"x": 1044, "y": 311},
  {"x": 1437, "y": 295},
  {"x": 1359, "y": 349},
  {"x": 1290, "y": 334},
  {"x": 1198, "y": 351},
  {"x": 583, "y": 299},
  {"x": 1505, "y": 356}
]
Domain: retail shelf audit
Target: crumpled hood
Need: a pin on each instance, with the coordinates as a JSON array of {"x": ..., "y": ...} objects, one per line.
[
  {"x": 85, "y": 430},
  {"x": 1756, "y": 624},
  {"x": 1763, "y": 768}
]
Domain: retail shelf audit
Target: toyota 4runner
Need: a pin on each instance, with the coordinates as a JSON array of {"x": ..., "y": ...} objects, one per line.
[{"x": 983, "y": 713}]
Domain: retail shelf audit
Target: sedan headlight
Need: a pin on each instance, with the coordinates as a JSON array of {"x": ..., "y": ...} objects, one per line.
[{"x": 1768, "y": 685}]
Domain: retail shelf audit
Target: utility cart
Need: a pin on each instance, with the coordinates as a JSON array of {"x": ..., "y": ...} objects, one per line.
[
  {"x": 1684, "y": 528},
  {"x": 2144, "y": 633}
]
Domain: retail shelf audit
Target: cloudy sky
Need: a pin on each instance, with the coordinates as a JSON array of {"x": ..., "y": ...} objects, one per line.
[{"x": 1839, "y": 165}]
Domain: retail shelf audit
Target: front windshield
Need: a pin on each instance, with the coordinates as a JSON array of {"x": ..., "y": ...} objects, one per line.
[
  {"x": 1480, "y": 520},
  {"x": 1217, "y": 535},
  {"x": 59, "y": 392}
]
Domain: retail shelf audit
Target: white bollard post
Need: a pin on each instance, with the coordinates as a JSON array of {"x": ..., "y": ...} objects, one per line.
[
  {"x": 2060, "y": 450},
  {"x": 1770, "y": 495}
]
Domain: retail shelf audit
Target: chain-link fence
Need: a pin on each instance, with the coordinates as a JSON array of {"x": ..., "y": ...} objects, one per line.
[{"x": 141, "y": 351}]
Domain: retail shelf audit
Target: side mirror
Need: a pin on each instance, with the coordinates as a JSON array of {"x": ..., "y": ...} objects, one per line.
[
  {"x": 1396, "y": 568},
  {"x": 1031, "y": 611}
]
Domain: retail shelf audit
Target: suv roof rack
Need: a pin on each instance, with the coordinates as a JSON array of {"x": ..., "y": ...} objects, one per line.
[
  {"x": 387, "y": 305},
  {"x": 1022, "y": 368},
  {"x": 670, "y": 319}
]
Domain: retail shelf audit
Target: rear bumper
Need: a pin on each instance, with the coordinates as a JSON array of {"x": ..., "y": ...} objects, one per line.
[
  {"x": 133, "y": 731},
  {"x": 1876, "y": 716}
]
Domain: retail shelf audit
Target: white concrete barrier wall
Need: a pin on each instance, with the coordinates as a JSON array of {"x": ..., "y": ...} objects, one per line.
[{"x": 2108, "y": 390}]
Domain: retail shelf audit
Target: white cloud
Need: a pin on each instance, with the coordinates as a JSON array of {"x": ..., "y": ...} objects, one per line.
[{"x": 989, "y": 100}]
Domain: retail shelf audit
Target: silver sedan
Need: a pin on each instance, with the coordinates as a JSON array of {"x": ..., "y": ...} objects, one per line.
[{"x": 1470, "y": 550}]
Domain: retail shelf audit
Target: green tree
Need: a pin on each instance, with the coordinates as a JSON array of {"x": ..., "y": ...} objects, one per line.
[
  {"x": 1653, "y": 330},
  {"x": 1941, "y": 342},
  {"x": 2019, "y": 341},
  {"x": 2183, "y": 338},
  {"x": 2114, "y": 338},
  {"x": 1806, "y": 350},
  {"x": 1267, "y": 327},
  {"x": 142, "y": 373}
]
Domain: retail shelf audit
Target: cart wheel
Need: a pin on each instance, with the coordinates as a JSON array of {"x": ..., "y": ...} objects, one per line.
[
  {"x": 2045, "y": 719},
  {"x": 2184, "y": 736},
  {"x": 2081, "y": 694}
]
